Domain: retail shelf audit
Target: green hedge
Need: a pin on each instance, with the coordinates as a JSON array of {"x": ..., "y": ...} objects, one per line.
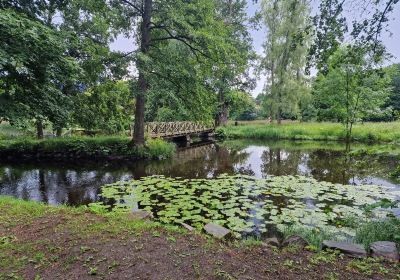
[{"x": 86, "y": 147}]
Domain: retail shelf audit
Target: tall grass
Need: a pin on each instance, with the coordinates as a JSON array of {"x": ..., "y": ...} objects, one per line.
[
  {"x": 86, "y": 147},
  {"x": 366, "y": 132},
  {"x": 383, "y": 230}
]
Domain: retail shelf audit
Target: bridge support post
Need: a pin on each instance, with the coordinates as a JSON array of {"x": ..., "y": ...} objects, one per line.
[
  {"x": 188, "y": 140},
  {"x": 206, "y": 136}
]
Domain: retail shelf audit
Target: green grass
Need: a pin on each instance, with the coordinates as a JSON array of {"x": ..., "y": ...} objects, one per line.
[
  {"x": 384, "y": 230},
  {"x": 313, "y": 236},
  {"x": 8, "y": 132},
  {"x": 366, "y": 132},
  {"x": 86, "y": 147}
]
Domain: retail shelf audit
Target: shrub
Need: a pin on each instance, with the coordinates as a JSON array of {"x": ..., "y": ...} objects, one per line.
[
  {"x": 72, "y": 147},
  {"x": 158, "y": 148}
]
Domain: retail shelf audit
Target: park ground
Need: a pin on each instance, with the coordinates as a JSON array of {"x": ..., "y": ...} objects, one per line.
[
  {"x": 45, "y": 242},
  {"x": 368, "y": 132}
]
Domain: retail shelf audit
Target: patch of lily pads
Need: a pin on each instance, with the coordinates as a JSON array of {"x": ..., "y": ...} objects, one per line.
[{"x": 247, "y": 205}]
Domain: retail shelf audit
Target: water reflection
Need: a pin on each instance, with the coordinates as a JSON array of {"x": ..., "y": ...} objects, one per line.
[{"x": 79, "y": 183}]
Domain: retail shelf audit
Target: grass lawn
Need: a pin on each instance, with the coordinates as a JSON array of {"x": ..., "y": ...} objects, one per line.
[
  {"x": 45, "y": 242},
  {"x": 366, "y": 132}
]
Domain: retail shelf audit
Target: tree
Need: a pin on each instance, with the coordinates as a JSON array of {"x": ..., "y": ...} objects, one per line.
[
  {"x": 83, "y": 33},
  {"x": 107, "y": 107},
  {"x": 351, "y": 89},
  {"x": 330, "y": 26},
  {"x": 231, "y": 74},
  {"x": 285, "y": 49},
  {"x": 394, "y": 99},
  {"x": 34, "y": 68},
  {"x": 243, "y": 106},
  {"x": 370, "y": 20},
  {"x": 155, "y": 24}
]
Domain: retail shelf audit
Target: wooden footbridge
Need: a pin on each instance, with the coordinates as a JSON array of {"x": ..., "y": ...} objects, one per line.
[{"x": 178, "y": 129}]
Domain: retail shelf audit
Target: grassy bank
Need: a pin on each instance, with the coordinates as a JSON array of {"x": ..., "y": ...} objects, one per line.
[
  {"x": 43, "y": 242},
  {"x": 366, "y": 132},
  {"x": 90, "y": 148}
]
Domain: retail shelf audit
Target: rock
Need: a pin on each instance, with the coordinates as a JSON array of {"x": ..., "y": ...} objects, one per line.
[
  {"x": 139, "y": 214},
  {"x": 385, "y": 249},
  {"x": 217, "y": 230},
  {"x": 273, "y": 241},
  {"x": 350, "y": 249},
  {"x": 295, "y": 240},
  {"x": 186, "y": 226}
]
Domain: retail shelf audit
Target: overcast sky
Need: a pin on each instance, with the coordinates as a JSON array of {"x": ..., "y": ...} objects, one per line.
[{"x": 392, "y": 41}]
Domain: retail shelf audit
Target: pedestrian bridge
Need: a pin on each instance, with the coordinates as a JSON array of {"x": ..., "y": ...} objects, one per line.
[{"x": 177, "y": 129}]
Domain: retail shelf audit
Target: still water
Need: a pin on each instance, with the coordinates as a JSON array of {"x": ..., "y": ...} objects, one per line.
[{"x": 79, "y": 183}]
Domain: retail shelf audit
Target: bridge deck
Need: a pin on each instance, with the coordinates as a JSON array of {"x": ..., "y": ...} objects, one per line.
[{"x": 176, "y": 129}]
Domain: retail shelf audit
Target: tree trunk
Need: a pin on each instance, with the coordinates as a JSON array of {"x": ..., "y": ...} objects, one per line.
[
  {"x": 39, "y": 129},
  {"x": 58, "y": 131},
  {"x": 138, "y": 134},
  {"x": 223, "y": 110}
]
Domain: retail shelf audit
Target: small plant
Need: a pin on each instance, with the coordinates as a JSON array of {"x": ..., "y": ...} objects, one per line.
[
  {"x": 331, "y": 276},
  {"x": 396, "y": 172},
  {"x": 5, "y": 240},
  {"x": 328, "y": 256},
  {"x": 367, "y": 266},
  {"x": 92, "y": 271},
  {"x": 84, "y": 249},
  {"x": 288, "y": 263}
]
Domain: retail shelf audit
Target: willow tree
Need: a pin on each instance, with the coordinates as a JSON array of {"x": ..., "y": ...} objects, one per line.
[
  {"x": 285, "y": 50},
  {"x": 191, "y": 24}
]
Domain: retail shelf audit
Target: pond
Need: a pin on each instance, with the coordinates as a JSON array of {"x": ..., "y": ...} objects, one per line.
[
  {"x": 79, "y": 183},
  {"x": 250, "y": 187}
]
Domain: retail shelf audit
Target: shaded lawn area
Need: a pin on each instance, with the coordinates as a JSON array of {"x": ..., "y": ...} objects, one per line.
[{"x": 45, "y": 242}]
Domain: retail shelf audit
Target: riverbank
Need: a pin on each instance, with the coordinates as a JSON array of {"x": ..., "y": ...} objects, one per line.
[
  {"x": 44, "y": 242},
  {"x": 85, "y": 148},
  {"x": 366, "y": 132}
]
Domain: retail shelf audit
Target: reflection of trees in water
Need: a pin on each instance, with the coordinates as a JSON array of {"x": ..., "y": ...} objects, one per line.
[
  {"x": 80, "y": 184},
  {"x": 55, "y": 185},
  {"x": 276, "y": 161},
  {"x": 324, "y": 165},
  {"x": 200, "y": 162},
  {"x": 345, "y": 168}
]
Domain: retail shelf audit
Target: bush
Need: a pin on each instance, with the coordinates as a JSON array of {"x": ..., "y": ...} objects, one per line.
[
  {"x": 158, "y": 148},
  {"x": 86, "y": 147}
]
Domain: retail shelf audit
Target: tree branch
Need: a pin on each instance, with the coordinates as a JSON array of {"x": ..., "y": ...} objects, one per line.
[{"x": 139, "y": 10}]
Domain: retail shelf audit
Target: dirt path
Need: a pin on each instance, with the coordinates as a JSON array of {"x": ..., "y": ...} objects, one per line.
[{"x": 53, "y": 243}]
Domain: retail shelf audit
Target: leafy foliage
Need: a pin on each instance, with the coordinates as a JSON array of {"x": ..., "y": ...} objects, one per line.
[
  {"x": 285, "y": 51},
  {"x": 107, "y": 107},
  {"x": 86, "y": 147},
  {"x": 351, "y": 90},
  {"x": 34, "y": 69}
]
